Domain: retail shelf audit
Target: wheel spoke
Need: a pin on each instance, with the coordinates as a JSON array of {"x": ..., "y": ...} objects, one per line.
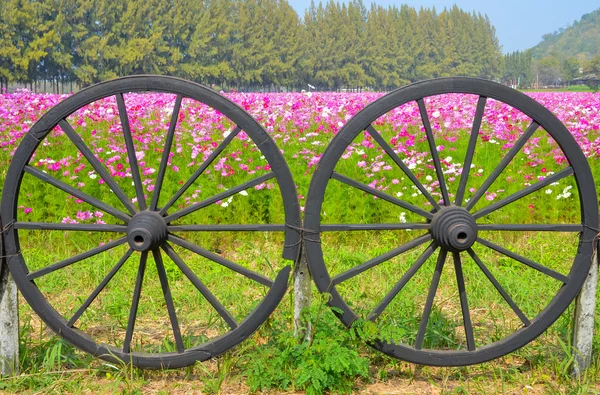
[
  {"x": 462, "y": 186},
  {"x": 259, "y": 278},
  {"x": 99, "y": 289},
  {"x": 351, "y": 227},
  {"x": 434, "y": 153},
  {"x": 533, "y": 227},
  {"x": 201, "y": 169},
  {"x": 400, "y": 284},
  {"x": 524, "y": 192},
  {"x": 210, "y": 298},
  {"x": 534, "y": 265},
  {"x": 164, "y": 283},
  {"x": 390, "y": 151},
  {"x": 133, "y": 163},
  {"x": 76, "y": 258},
  {"x": 464, "y": 305},
  {"x": 135, "y": 301},
  {"x": 228, "y": 228},
  {"x": 430, "y": 296},
  {"x": 71, "y": 227},
  {"x": 499, "y": 288},
  {"x": 503, "y": 163},
  {"x": 381, "y": 258},
  {"x": 77, "y": 193},
  {"x": 223, "y": 195},
  {"x": 167, "y": 150},
  {"x": 379, "y": 194},
  {"x": 100, "y": 169}
]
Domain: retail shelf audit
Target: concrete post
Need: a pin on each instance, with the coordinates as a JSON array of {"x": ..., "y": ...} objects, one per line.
[
  {"x": 9, "y": 323},
  {"x": 583, "y": 332},
  {"x": 302, "y": 297}
]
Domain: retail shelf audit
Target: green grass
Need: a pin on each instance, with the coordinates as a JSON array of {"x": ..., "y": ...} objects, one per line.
[
  {"x": 336, "y": 360},
  {"x": 571, "y": 88}
]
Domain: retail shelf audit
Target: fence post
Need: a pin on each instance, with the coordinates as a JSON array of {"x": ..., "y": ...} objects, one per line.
[
  {"x": 9, "y": 323},
  {"x": 583, "y": 332},
  {"x": 302, "y": 296}
]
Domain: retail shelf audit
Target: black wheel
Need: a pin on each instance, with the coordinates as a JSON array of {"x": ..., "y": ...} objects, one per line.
[
  {"x": 140, "y": 167},
  {"x": 518, "y": 233}
]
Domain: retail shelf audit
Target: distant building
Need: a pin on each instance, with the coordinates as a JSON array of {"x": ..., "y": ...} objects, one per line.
[{"x": 591, "y": 80}]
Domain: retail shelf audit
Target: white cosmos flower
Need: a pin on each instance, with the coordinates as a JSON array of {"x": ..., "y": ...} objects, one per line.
[{"x": 565, "y": 193}]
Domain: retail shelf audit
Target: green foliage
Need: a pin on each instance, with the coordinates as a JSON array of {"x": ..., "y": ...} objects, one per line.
[
  {"x": 581, "y": 39},
  {"x": 593, "y": 66},
  {"x": 330, "y": 361},
  {"x": 242, "y": 43},
  {"x": 213, "y": 382},
  {"x": 570, "y": 68},
  {"x": 548, "y": 71},
  {"x": 518, "y": 69}
]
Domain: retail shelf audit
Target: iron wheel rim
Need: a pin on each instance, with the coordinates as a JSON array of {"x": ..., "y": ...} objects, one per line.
[
  {"x": 184, "y": 90},
  {"x": 418, "y": 91}
]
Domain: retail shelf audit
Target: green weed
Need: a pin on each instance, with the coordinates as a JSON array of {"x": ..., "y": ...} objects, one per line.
[{"x": 329, "y": 362}]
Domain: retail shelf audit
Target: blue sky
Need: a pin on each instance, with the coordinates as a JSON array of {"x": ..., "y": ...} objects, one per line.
[{"x": 519, "y": 24}]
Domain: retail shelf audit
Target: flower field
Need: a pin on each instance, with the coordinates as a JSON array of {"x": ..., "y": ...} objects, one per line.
[{"x": 302, "y": 125}]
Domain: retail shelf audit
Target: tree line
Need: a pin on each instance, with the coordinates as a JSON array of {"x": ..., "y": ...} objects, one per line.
[
  {"x": 560, "y": 58},
  {"x": 239, "y": 43},
  {"x": 554, "y": 69}
]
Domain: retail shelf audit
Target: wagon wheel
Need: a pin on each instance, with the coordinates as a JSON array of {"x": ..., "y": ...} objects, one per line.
[
  {"x": 453, "y": 225},
  {"x": 140, "y": 224}
]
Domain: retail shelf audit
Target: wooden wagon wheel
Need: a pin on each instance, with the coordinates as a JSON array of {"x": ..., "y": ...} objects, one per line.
[
  {"x": 143, "y": 224},
  {"x": 451, "y": 224}
]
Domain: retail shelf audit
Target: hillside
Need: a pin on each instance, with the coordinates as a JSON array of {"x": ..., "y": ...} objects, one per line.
[{"x": 582, "y": 39}]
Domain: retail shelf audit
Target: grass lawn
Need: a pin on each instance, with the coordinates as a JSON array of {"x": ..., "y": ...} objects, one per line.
[{"x": 336, "y": 360}]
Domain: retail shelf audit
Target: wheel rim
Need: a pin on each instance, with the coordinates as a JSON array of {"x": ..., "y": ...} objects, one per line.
[
  {"x": 147, "y": 221},
  {"x": 448, "y": 226}
]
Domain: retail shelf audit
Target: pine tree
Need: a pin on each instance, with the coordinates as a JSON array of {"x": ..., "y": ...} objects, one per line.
[
  {"x": 247, "y": 43},
  {"x": 8, "y": 50},
  {"x": 31, "y": 37}
]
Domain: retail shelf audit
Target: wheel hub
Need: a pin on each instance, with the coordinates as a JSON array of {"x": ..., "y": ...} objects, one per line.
[
  {"x": 146, "y": 230},
  {"x": 454, "y": 229}
]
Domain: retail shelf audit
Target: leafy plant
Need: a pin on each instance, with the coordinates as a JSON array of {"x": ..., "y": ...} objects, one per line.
[{"x": 328, "y": 362}]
